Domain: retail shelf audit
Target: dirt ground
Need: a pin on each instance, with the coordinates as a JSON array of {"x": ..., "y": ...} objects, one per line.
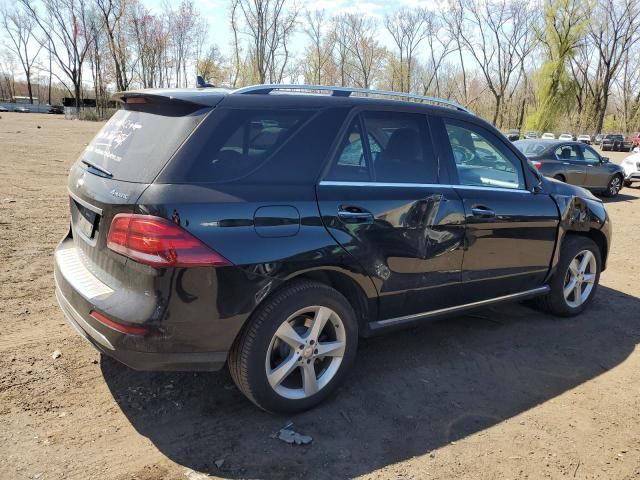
[{"x": 503, "y": 393}]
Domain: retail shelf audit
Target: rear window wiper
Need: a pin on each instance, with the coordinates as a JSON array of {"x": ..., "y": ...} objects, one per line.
[{"x": 96, "y": 167}]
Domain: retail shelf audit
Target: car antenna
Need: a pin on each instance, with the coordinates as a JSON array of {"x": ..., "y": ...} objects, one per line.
[{"x": 203, "y": 84}]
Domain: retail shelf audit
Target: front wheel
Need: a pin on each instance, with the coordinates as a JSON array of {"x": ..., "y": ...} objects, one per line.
[
  {"x": 614, "y": 186},
  {"x": 296, "y": 349},
  {"x": 575, "y": 281}
]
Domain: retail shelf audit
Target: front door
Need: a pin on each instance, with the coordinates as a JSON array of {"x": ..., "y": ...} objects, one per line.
[
  {"x": 511, "y": 231},
  {"x": 574, "y": 169},
  {"x": 598, "y": 174},
  {"x": 381, "y": 201}
]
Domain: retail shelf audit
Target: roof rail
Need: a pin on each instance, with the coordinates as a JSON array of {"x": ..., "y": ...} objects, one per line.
[{"x": 346, "y": 92}]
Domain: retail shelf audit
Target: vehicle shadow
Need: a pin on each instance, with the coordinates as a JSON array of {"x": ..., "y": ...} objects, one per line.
[
  {"x": 621, "y": 197},
  {"x": 410, "y": 393}
]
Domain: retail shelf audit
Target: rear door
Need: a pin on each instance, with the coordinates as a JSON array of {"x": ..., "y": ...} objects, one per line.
[
  {"x": 572, "y": 165},
  {"x": 511, "y": 232},
  {"x": 381, "y": 200}
]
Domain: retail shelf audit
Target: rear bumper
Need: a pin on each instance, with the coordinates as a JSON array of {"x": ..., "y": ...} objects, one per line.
[
  {"x": 165, "y": 361},
  {"x": 78, "y": 293}
]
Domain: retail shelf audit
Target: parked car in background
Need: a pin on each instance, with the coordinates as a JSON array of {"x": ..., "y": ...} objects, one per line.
[
  {"x": 3, "y": 109},
  {"x": 198, "y": 238},
  {"x": 617, "y": 142},
  {"x": 21, "y": 110},
  {"x": 513, "y": 134},
  {"x": 565, "y": 137},
  {"x": 548, "y": 136},
  {"x": 531, "y": 135},
  {"x": 584, "y": 138},
  {"x": 56, "y": 109},
  {"x": 631, "y": 166},
  {"x": 575, "y": 163},
  {"x": 598, "y": 139}
]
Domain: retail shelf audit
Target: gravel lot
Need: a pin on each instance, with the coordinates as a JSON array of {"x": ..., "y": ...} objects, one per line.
[{"x": 503, "y": 393}]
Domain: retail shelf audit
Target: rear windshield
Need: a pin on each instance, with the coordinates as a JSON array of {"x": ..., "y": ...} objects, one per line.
[
  {"x": 234, "y": 143},
  {"x": 134, "y": 145}
]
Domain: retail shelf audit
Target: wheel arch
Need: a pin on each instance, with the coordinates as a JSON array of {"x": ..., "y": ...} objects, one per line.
[{"x": 363, "y": 303}]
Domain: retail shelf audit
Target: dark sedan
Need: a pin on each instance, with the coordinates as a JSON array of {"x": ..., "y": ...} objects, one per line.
[{"x": 575, "y": 163}]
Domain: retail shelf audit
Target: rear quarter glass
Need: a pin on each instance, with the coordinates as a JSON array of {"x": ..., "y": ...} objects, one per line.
[
  {"x": 257, "y": 145},
  {"x": 135, "y": 144}
]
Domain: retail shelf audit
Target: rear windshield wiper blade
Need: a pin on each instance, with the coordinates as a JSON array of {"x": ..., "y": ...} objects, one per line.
[{"x": 96, "y": 167}]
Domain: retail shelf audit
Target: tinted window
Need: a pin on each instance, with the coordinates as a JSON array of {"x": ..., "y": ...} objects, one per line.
[
  {"x": 400, "y": 147},
  {"x": 351, "y": 163},
  {"x": 235, "y": 143},
  {"x": 135, "y": 145},
  {"x": 480, "y": 158},
  {"x": 396, "y": 150}
]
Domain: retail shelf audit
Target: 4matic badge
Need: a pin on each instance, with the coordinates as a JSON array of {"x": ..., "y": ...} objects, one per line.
[{"x": 121, "y": 195}]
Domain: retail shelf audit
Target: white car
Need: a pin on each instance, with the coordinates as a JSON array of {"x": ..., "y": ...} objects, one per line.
[
  {"x": 585, "y": 139},
  {"x": 631, "y": 166},
  {"x": 566, "y": 137},
  {"x": 548, "y": 136}
]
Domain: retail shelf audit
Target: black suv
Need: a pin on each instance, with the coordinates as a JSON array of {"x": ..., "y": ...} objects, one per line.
[{"x": 268, "y": 229}]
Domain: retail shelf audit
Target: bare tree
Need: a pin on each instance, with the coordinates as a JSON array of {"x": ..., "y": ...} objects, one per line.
[
  {"x": 268, "y": 25},
  {"x": 408, "y": 28},
  {"x": 364, "y": 53},
  {"x": 612, "y": 34},
  {"x": 64, "y": 28},
  {"x": 19, "y": 27},
  {"x": 495, "y": 33},
  {"x": 319, "y": 51},
  {"x": 112, "y": 13}
]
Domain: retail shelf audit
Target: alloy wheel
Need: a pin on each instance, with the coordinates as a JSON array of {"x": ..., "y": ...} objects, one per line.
[
  {"x": 580, "y": 278},
  {"x": 305, "y": 352},
  {"x": 614, "y": 185}
]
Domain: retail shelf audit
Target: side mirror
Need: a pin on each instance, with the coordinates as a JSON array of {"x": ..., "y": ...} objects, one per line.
[{"x": 604, "y": 159}]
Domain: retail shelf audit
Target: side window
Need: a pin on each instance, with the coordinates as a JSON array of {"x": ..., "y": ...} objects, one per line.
[
  {"x": 237, "y": 142},
  {"x": 590, "y": 156},
  {"x": 568, "y": 153},
  {"x": 400, "y": 147},
  {"x": 351, "y": 163},
  {"x": 480, "y": 159}
]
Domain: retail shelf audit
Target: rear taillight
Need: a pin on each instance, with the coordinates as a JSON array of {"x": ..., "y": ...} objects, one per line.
[
  {"x": 159, "y": 242},
  {"x": 536, "y": 164}
]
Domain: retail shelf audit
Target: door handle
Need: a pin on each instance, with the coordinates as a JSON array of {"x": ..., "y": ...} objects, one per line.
[
  {"x": 482, "y": 212},
  {"x": 355, "y": 215}
]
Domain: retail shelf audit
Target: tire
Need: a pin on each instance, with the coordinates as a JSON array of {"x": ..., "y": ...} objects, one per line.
[
  {"x": 614, "y": 186},
  {"x": 627, "y": 183},
  {"x": 555, "y": 302},
  {"x": 291, "y": 314},
  {"x": 560, "y": 178}
]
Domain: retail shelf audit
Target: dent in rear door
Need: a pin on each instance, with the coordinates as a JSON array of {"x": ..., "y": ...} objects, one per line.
[{"x": 407, "y": 236}]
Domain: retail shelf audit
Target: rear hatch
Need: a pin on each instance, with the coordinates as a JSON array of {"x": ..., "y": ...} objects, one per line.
[{"x": 115, "y": 168}]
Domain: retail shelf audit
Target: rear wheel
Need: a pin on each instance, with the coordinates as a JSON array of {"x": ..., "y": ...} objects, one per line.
[
  {"x": 296, "y": 349},
  {"x": 575, "y": 281},
  {"x": 614, "y": 186},
  {"x": 560, "y": 177}
]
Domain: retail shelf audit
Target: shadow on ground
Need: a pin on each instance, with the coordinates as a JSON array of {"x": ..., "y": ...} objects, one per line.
[
  {"x": 621, "y": 197},
  {"x": 410, "y": 392}
]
